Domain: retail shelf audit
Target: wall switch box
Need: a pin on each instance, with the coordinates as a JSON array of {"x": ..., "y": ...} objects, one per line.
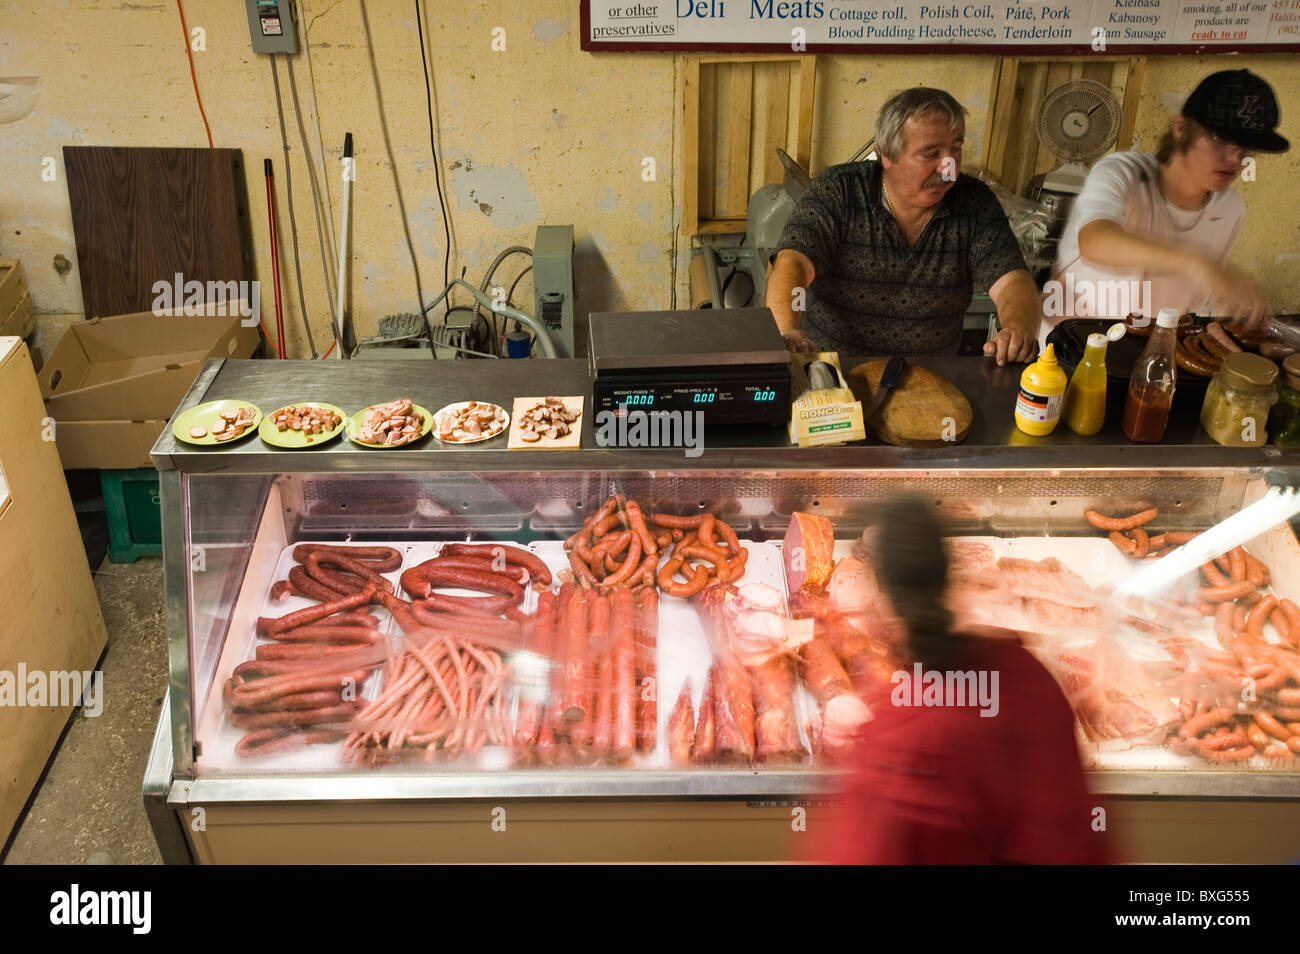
[{"x": 273, "y": 26}]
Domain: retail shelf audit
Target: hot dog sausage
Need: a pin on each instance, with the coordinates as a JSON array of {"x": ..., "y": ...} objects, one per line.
[
  {"x": 1255, "y": 621},
  {"x": 418, "y": 580},
  {"x": 1120, "y": 523},
  {"x": 1217, "y": 594},
  {"x": 1220, "y": 335},
  {"x": 1126, "y": 545},
  {"x": 1272, "y": 726},
  {"x": 1206, "y": 720},
  {"x": 698, "y": 581},
  {"x": 674, "y": 522},
  {"x": 1143, "y": 543}
]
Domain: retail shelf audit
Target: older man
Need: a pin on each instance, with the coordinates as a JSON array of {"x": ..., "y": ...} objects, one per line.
[{"x": 882, "y": 257}]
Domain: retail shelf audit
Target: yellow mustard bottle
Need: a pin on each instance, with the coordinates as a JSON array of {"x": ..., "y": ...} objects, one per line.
[
  {"x": 1042, "y": 390},
  {"x": 1085, "y": 398}
]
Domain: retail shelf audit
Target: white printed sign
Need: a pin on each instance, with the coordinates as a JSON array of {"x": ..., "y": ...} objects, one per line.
[{"x": 1156, "y": 26}]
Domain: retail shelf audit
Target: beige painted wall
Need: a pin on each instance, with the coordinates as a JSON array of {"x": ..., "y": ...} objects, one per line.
[{"x": 541, "y": 133}]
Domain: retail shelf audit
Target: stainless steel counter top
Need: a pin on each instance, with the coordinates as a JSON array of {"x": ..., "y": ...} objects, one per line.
[{"x": 993, "y": 441}]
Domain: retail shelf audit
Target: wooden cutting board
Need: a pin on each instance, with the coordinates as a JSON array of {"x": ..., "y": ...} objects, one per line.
[{"x": 924, "y": 410}]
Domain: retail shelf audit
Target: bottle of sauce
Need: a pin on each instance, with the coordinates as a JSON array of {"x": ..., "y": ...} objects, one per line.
[
  {"x": 1042, "y": 390},
  {"x": 1151, "y": 386},
  {"x": 1085, "y": 398}
]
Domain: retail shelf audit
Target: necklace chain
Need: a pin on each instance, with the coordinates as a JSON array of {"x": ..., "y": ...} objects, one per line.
[{"x": 884, "y": 194}]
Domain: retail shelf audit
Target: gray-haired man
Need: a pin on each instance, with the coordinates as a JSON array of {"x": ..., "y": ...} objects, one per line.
[{"x": 883, "y": 256}]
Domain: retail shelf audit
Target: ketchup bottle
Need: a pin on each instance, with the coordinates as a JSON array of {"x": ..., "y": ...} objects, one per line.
[{"x": 1151, "y": 386}]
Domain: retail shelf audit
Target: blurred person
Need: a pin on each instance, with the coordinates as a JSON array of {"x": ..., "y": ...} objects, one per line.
[
  {"x": 1170, "y": 218},
  {"x": 890, "y": 251},
  {"x": 995, "y": 780}
]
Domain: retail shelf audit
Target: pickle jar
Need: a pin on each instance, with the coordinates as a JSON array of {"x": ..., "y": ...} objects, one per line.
[
  {"x": 1284, "y": 421},
  {"x": 1237, "y": 402}
]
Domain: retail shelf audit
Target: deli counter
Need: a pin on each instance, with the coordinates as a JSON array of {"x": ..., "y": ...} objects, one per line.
[{"x": 459, "y": 749}]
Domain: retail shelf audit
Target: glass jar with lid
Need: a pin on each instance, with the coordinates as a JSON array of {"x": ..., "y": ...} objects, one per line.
[
  {"x": 1284, "y": 420},
  {"x": 1237, "y": 402}
]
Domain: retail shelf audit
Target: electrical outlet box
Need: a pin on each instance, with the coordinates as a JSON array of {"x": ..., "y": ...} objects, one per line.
[{"x": 273, "y": 26}]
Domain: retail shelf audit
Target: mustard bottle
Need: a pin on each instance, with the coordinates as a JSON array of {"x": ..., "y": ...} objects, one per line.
[
  {"x": 1042, "y": 390},
  {"x": 1085, "y": 398}
]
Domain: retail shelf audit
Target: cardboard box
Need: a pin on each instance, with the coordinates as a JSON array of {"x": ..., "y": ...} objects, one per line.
[
  {"x": 112, "y": 383},
  {"x": 17, "y": 316},
  {"x": 50, "y": 622}
]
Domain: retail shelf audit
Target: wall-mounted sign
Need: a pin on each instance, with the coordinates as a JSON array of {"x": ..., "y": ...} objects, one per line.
[{"x": 910, "y": 26}]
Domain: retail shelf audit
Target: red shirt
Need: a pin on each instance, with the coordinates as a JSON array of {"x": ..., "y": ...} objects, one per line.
[{"x": 944, "y": 785}]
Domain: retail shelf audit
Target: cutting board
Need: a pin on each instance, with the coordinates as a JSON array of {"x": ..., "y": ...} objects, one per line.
[
  {"x": 924, "y": 410},
  {"x": 571, "y": 441}
]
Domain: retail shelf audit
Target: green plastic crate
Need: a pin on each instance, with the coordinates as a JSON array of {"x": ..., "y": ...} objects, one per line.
[{"x": 134, "y": 513}]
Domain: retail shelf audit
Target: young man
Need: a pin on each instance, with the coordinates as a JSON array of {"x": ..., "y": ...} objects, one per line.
[
  {"x": 882, "y": 257},
  {"x": 1170, "y": 218}
]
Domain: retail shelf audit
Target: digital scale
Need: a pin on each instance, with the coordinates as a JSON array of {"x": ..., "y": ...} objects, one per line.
[{"x": 731, "y": 364}]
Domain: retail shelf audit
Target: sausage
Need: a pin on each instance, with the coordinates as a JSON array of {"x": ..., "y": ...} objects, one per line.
[
  {"x": 1272, "y": 726},
  {"x": 698, "y": 581},
  {"x": 1156, "y": 541},
  {"x": 483, "y": 565},
  {"x": 1288, "y": 713},
  {"x": 630, "y": 565},
  {"x": 681, "y": 728},
  {"x": 1231, "y": 739},
  {"x": 1258, "y": 737},
  {"x": 1237, "y": 564},
  {"x": 515, "y": 556},
  {"x": 1191, "y": 362},
  {"x": 313, "y": 589},
  {"x": 301, "y": 700},
  {"x": 1217, "y": 594},
  {"x": 1256, "y": 571},
  {"x": 610, "y": 544},
  {"x": 1239, "y": 618},
  {"x": 1289, "y": 697},
  {"x": 418, "y": 580},
  {"x": 581, "y": 571},
  {"x": 574, "y": 705},
  {"x": 1227, "y": 755},
  {"x": 1291, "y": 610},
  {"x": 624, "y": 615},
  {"x": 381, "y": 559},
  {"x": 712, "y": 555},
  {"x": 636, "y": 522},
  {"x": 646, "y": 636},
  {"x": 1282, "y": 625},
  {"x": 250, "y": 694},
  {"x": 1120, "y": 523},
  {"x": 1206, "y": 720},
  {"x": 270, "y": 626},
  {"x": 328, "y": 633},
  {"x": 1125, "y": 545},
  {"x": 318, "y": 558},
  {"x": 1255, "y": 621},
  {"x": 1143, "y": 543},
  {"x": 479, "y": 605},
  {"x": 1220, "y": 336},
  {"x": 677, "y": 523},
  {"x": 311, "y": 651},
  {"x": 262, "y": 742},
  {"x": 1213, "y": 575},
  {"x": 1223, "y": 627},
  {"x": 702, "y": 747},
  {"x": 664, "y": 539},
  {"x": 601, "y": 711},
  {"x": 261, "y": 720},
  {"x": 1179, "y": 537},
  {"x": 1293, "y": 743}
]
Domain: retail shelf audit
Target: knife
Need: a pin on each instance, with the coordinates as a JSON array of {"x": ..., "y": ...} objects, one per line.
[{"x": 888, "y": 381}]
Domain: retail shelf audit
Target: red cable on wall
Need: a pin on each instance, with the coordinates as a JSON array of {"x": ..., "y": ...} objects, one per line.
[{"x": 190, "y": 54}]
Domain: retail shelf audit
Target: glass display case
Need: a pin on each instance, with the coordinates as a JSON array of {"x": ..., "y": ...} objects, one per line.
[{"x": 466, "y": 667}]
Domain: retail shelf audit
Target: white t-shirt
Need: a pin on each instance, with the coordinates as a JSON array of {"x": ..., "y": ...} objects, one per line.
[{"x": 1123, "y": 188}]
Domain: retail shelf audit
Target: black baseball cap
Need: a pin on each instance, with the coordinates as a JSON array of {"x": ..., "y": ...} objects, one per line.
[{"x": 1240, "y": 107}]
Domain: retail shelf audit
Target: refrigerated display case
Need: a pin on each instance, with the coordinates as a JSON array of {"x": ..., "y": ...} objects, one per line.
[{"x": 233, "y": 516}]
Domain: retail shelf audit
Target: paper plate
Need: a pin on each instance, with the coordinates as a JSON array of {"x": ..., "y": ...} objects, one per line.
[
  {"x": 205, "y": 415},
  {"x": 357, "y": 420},
  {"x": 297, "y": 440},
  {"x": 460, "y": 406}
]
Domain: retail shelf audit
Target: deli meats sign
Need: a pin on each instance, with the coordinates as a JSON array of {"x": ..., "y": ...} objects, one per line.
[{"x": 1018, "y": 26}]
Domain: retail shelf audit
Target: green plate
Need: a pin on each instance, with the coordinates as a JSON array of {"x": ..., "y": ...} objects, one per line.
[
  {"x": 297, "y": 440},
  {"x": 356, "y": 421},
  {"x": 205, "y": 415}
]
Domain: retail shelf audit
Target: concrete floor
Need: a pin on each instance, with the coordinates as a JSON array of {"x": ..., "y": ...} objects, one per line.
[{"x": 88, "y": 807}]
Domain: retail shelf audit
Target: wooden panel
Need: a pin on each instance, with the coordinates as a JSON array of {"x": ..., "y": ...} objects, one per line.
[
  {"x": 807, "y": 92},
  {"x": 740, "y": 114},
  {"x": 707, "y": 138},
  {"x": 1132, "y": 94},
  {"x": 1000, "y": 117},
  {"x": 690, "y": 146},
  {"x": 776, "y": 128},
  {"x": 141, "y": 215}
]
